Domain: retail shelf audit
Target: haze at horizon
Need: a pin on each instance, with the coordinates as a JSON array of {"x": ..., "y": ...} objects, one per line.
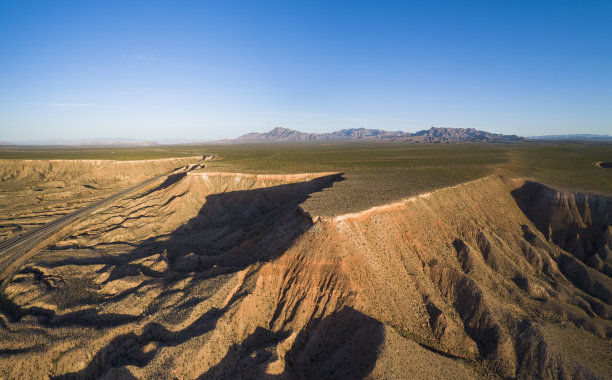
[{"x": 205, "y": 71}]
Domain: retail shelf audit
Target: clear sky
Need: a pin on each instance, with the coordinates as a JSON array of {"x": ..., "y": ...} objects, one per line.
[{"x": 202, "y": 70}]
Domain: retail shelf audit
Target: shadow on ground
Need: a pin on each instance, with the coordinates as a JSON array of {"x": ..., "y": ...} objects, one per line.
[
  {"x": 169, "y": 181},
  {"x": 343, "y": 345}
]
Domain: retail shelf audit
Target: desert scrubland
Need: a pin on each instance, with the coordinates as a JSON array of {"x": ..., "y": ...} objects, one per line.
[{"x": 461, "y": 266}]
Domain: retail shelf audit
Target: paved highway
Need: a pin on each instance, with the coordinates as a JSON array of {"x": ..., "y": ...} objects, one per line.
[{"x": 13, "y": 249}]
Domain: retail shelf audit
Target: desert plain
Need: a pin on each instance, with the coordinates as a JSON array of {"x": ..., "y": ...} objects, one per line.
[{"x": 322, "y": 260}]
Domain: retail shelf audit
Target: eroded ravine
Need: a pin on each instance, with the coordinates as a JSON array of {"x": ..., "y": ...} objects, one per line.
[
  {"x": 35, "y": 192},
  {"x": 224, "y": 275}
]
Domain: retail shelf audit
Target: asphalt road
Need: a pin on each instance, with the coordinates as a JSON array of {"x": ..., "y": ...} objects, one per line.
[{"x": 12, "y": 249}]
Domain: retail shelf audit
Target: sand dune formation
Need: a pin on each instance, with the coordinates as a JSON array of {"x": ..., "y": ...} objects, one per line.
[{"x": 225, "y": 275}]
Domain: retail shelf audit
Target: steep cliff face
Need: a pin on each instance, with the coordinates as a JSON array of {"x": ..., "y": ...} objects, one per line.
[
  {"x": 223, "y": 275},
  {"x": 463, "y": 271},
  {"x": 578, "y": 223}
]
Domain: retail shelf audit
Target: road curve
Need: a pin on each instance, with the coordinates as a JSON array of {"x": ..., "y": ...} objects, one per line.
[{"x": 13, "y": 249}]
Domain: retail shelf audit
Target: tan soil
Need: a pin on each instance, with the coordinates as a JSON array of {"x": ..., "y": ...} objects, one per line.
[
  {"x": 226, "y": 276},
  {"x": 34, "y": 192}
]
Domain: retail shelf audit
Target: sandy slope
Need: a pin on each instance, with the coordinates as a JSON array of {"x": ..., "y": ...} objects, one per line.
[
  {"x": 34, "y": 192},
  {"x": 221, "y": 275}
]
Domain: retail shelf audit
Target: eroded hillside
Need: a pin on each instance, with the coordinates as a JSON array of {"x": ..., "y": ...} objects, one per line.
[
  {"x": 34, "y": 192},
  {"x": 224, "y": 275}
]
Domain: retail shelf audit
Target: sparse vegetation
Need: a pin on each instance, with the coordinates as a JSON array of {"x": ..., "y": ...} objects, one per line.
[
  {"x": 97, "y": 153},
  {"x": 378, "y": 173},
  {"x": 381, "y": 173}
]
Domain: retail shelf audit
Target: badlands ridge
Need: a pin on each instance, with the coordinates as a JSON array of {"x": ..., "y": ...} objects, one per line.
[{"x": 224, "y": 275}]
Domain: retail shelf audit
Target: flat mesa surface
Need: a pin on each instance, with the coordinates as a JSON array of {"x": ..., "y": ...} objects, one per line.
[
  {"x": 379, "y": 173},
  {"x": 376, "y": 173}
]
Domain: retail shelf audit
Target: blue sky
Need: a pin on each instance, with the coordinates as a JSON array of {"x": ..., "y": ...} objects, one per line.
[{"x": 197, "y": 70}]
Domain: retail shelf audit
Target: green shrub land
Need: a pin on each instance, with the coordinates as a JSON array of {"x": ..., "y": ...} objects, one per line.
[{"x": 378, "y": 173}]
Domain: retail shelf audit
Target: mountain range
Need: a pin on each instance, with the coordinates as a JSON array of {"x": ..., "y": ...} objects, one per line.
[{"x": 432, "y": 135}]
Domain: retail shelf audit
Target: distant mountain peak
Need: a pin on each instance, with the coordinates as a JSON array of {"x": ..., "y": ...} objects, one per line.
[{"x": 281, "y": 130}]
